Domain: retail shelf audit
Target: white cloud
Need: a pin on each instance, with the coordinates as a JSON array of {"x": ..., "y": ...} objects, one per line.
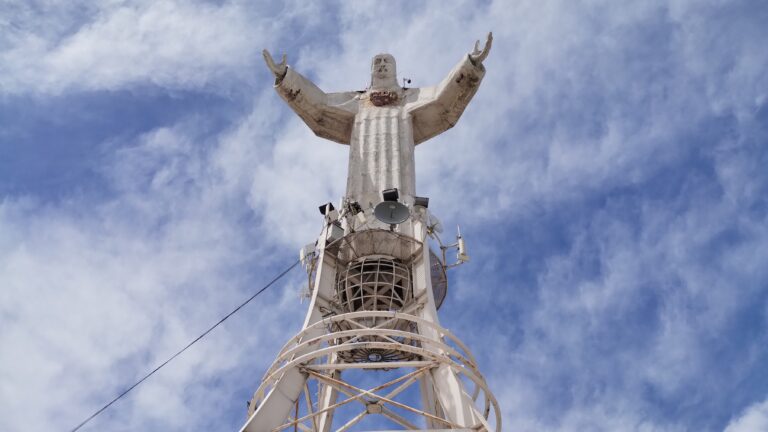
[
  {"x": 631, "y": 309},
  {"x": 178, "y": 45},
  {"x": 753, "y": 419},
  {"x": 95, "y": 293}
]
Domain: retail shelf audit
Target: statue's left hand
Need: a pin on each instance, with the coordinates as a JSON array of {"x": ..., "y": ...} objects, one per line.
[{"x": 477, "y": 55}]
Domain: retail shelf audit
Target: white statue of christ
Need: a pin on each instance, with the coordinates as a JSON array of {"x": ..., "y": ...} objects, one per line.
[{"x": 383, "y": 123}]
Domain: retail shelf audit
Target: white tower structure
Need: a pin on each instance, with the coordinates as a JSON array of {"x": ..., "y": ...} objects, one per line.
[{"x": 371, "y": 343}]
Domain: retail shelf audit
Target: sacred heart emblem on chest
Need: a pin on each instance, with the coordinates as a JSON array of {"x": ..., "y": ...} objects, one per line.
[{"x": 383, "y": 98}]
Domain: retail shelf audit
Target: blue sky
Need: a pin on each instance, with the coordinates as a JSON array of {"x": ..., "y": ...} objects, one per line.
[{"x": 609, "y": 177}]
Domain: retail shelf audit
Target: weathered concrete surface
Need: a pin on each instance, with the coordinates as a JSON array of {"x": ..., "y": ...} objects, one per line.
[{"x": 383, "y": 123}]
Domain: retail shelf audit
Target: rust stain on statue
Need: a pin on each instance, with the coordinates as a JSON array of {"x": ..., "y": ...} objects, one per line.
[
  {"x": 382, "y": 98},
  {"x": 292, "y": 94}
]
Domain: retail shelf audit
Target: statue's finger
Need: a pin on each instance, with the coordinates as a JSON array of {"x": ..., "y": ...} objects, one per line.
[
  {"x": 267, "y": 57},
  {"x": 477, "y": 46},
  {"x": 285, "y": 59},
  {"x": 488, "y": 45}
]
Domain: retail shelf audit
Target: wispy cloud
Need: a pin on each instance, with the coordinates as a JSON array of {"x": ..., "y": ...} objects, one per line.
[
  {"x": 178, "y": 45},
  {"x": 754, "y": 418},
  {"x": 88, "y": 287},
  {"x": 608, "y": 176}
]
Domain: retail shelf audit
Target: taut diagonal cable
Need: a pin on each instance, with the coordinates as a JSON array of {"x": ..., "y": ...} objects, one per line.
[{"x": 102, "y": 409}]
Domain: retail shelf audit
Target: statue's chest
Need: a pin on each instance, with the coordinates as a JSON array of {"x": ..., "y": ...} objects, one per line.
[
  {"x": 380, "y": 127},
  {"x": 382, "y": 104},
  {"x": 368, "y": 114}
]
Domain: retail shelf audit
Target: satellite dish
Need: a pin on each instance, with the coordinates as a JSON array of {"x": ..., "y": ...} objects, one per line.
[
  {"x": 391, "y": 212},
  {"x": 435, "y": 224}
]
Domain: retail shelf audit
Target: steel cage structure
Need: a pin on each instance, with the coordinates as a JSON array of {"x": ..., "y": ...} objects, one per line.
[
  {"x": 374, "y": 283},
  {"x": 316, "y": 359}
]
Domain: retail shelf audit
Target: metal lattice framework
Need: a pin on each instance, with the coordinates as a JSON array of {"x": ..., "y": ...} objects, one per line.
[
  {"x": 375, "y": 242},
  {"x": 320, "y": 358},
  {"x": 374, "y": 283}
]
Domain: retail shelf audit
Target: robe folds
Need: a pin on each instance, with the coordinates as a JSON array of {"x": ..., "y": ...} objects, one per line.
[{"x": 382, "y": 136}]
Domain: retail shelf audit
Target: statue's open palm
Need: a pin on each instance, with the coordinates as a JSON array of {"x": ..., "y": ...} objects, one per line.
[
  {"x": 478, "y": 55},
  {"x": 278, "y": 69}
]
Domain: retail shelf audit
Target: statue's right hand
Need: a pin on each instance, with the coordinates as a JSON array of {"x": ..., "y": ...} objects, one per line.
[{"x": 278, "y": 69}]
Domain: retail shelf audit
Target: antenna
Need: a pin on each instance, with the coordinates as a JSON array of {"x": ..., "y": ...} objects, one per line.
[
  {"x": 391, "y": 212},
  {"x": 434, "y": 224},
  {"x": 461, "y": 256}
]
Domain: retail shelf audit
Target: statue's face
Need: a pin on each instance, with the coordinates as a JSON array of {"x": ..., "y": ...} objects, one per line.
[{"x": 383, "y": 67}]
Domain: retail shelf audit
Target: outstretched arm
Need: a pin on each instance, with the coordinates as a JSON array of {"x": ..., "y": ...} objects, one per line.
[
  {"x": 439, "y": 108},
  {"x": 329, "y": 115}
]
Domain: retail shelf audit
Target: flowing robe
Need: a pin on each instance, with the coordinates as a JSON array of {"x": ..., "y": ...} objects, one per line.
[{"x": 382, "y": 137}]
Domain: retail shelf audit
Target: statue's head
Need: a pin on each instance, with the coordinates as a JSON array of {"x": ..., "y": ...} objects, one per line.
[{"x": 383, "y": 71}]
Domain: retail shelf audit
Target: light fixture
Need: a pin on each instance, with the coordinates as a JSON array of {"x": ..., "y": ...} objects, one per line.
[
  {"x": 421, "y": 201},
  {"x": 390, "y": 194},
  {"x": 327, "y": 207}
]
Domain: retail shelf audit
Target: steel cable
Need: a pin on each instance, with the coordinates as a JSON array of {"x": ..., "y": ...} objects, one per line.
[{"x": 102, "y": 409}]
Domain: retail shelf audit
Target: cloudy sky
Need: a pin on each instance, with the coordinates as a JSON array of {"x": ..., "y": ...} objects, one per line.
[{"x": 609, "y": 176}]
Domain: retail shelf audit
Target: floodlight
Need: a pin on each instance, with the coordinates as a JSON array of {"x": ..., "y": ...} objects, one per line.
[
  {"x": 327, "y": 207},
  {"x": 421, "y": 201},
  {"x": 390, "y": 194}
]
